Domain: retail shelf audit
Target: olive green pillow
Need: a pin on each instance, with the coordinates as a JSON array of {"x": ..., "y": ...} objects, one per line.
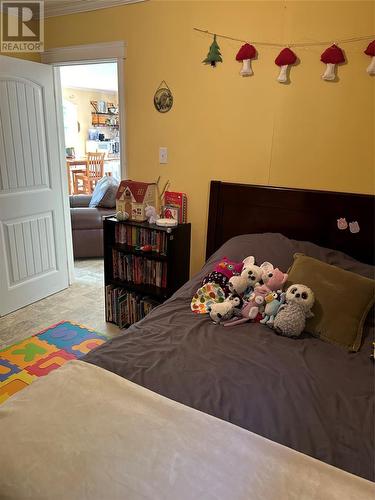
[{"x": 342, "y": 300}]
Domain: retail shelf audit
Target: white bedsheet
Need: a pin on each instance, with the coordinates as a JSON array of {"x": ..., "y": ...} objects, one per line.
[{"x": 83, "y": 433}]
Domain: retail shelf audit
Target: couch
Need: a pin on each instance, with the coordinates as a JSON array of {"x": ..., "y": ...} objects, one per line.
[{"x": 87, "y": 226}]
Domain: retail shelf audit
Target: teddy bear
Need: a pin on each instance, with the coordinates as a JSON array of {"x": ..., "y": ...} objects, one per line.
[
  {"x": 224, "y": 311},
  {"x": 222, "y": 272},
  {"x": 291, "y": 317}
]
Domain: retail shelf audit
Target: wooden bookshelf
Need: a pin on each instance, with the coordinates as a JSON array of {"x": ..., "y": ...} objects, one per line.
[{"x": 137, "y": 294}]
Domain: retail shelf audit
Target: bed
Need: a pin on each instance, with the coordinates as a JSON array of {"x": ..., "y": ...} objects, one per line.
[
  {"x": 281, "y": 394},
  {"x": 307, "y": 394}
]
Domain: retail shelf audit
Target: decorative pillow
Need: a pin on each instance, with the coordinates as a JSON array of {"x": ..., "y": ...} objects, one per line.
[
  {"x": 207, "y": 295},
  {"x": 104, "y": 194},
  {"x": 342, "y": 300}
]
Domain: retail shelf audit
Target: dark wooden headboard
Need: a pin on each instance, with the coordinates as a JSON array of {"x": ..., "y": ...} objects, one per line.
[{"x": 299, "y": 214}]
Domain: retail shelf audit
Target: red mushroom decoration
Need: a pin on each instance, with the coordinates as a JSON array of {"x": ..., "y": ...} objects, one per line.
[
  {"x": 331, "y": 56},
  {"x": 370, "y": 51},
  {"x": 284, "y": 59},
  {"x": 245, "y": 54}
]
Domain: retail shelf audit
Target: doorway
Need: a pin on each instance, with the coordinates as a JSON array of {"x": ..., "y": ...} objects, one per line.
[{"x": 90, "y": 102}]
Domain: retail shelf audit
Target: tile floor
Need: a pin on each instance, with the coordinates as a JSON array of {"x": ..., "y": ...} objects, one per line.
[{"x": 83, "y": 302}]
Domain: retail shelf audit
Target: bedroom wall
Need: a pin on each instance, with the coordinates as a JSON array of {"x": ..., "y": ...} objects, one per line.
[{"x": 309, "y": 134}]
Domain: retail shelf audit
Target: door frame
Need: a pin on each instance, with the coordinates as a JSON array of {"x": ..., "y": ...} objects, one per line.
[{"x": 87, "y": 54}]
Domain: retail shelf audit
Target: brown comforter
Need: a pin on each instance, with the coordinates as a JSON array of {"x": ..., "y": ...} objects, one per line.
[{"x": 306, "y": 394}]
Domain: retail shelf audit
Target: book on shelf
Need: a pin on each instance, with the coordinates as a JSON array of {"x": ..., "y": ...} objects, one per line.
[
  {"x": 177, "y": 200},
  {"x": 135, "y": 237},
  {"x": 139, "y": 270},
  {"x": 125, "y": 308}
]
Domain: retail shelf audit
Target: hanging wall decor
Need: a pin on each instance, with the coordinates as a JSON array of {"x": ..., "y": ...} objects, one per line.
[
  {"x": 286, "y": 58},
  {"x": 370, "y": 51},
  {"x": 332, "y": 56},
  {"x": 163, "y": 98},
  {"x": 244, "y": 55},
  {"x": 214, "y": 55}
]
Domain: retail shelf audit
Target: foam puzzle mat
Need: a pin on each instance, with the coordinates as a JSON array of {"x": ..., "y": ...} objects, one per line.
[{"x": 38, "y": 355}]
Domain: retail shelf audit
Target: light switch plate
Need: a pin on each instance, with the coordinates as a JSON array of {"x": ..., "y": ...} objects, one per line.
[{"x": 163, "y": 155}]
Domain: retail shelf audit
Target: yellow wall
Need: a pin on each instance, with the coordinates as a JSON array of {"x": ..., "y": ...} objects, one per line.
[
  {"x": 309, "y": 134},
  {"x": 81, "y": 98}
]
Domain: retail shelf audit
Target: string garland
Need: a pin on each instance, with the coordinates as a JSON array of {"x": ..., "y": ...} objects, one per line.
[{"x": 306, "y": 44}]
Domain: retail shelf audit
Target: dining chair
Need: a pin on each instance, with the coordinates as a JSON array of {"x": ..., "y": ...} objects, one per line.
[{"x": 85, "y": 183}]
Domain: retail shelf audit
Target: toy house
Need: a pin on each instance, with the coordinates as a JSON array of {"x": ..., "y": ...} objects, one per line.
[{"x": 133, "y": 197}]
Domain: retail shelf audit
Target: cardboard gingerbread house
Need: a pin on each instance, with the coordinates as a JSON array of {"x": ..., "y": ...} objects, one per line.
[{"x": 133, "y": 197}]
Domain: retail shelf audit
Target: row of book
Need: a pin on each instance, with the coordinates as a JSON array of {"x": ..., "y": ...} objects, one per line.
[
  {"x": 125, "y": 308},
  {"x": 138, "y": 236},
  {"x": 139, "y": 270}
]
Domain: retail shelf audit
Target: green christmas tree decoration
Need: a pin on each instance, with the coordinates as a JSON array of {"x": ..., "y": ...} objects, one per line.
[{"x": 213, "y": 55}]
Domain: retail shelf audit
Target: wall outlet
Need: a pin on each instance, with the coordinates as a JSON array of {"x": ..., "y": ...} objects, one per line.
[{"x": 163, "y": 155}]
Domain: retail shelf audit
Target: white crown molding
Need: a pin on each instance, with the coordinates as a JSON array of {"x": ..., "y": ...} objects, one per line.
[
  {"x": 91, "y": 52},
  {"x": 75, "y": 6}
]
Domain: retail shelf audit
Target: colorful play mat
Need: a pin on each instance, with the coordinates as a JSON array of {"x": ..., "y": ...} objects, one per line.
[{"x": 36, "y": 356}]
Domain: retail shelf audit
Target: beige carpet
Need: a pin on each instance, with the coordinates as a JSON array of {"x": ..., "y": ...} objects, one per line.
[{"x": 83, "y": 303}]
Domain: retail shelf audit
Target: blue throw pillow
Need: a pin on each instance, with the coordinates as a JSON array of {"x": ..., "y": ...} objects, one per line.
[{"x": 104, "y": 194}]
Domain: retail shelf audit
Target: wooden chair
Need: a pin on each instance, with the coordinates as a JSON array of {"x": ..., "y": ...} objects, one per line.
[{"x": 85, "y": 183}]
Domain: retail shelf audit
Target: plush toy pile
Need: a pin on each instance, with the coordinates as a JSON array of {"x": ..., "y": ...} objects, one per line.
[{"x": 238, "y": 292}]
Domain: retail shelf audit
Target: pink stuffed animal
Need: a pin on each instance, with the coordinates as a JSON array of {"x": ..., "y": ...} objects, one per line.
[{"x": 275, "y": 281}]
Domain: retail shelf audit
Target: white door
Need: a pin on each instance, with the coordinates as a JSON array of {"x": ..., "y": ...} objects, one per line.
[{"x": 33, "y": 260}]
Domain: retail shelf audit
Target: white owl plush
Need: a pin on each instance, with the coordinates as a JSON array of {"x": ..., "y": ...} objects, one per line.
[{"x": 291, "y": 317}]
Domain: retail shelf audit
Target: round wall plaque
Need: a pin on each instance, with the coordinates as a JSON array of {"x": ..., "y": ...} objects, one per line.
[{"x": 163, "y": 98}]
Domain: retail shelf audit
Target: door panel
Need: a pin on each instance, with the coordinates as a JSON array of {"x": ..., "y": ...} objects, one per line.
[
  {"x": 33, "y": 260},
  {"x": 23, "y": 153}
]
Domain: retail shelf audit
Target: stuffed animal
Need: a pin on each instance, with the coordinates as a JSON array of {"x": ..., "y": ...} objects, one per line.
[
  {"x": 238, "y": 284},
  {"x": 273, "y": 302},
  {"x": 250, "y": 309},
  {"x": 252, "y": 272},
  {"x": 206, "y": 295},
  {"x": 291, "y": 317},
  {"x": 275, "y": 281},
  {"x": 151, "y": 214},
  {"x": 122, "y": 215},
  {"x": 224, "y": 311},
  {"x": 222, "y": 272}
]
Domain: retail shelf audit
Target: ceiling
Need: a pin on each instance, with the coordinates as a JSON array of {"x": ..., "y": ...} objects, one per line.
[
  {"x": 54, "y": 8},
  {"x": 101, "y": 76}
]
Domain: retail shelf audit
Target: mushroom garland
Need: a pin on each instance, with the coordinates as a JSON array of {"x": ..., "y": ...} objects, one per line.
[
  {"x": 244, "y": 55},
  {"x": 284, "y": 59},
  {"x": 370, "y": 51},
  {"x": 331, "y": 56}
]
